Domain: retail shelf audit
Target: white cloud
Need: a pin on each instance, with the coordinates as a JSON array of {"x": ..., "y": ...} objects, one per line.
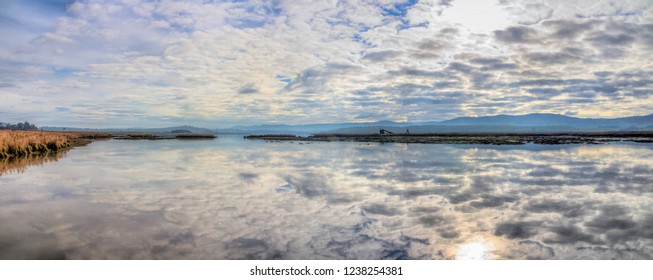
[
  {"x": 188, "y": 60},
  {"x": 476, "y": 16}
]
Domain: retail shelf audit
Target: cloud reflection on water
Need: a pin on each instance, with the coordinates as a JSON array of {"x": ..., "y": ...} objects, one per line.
[{"x": 230, "y": 199}]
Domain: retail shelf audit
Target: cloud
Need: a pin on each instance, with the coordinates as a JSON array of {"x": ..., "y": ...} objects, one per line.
[
  {"x": 460, "y": 67},
  {"x": 7, "y": 85},
  {"x": 548, "y": 58},
  {"x": 184, "y": 60},
  {"x": 433, "y": 45},
  {"x": 380, "y": 55},
  {"x": 515, "y": 34},
  {"x": 248, "y": 89},
  {"x": 610, "y": 39},
  {"x": 381, "y": 209},
  {"x": 570, "y": 234},
  {"x": 421, "y": 73},
  {"x": 564, "y": 208},
  {"x": 569, "y": 29},
  {"x": 315, "y": 79},
  {"x": 519, "y": 230}
]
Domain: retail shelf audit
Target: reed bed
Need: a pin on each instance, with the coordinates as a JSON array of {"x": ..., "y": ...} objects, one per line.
[{"x": 15, "y": 143}]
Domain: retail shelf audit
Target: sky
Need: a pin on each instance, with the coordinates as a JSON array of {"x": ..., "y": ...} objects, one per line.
[{"x": 136, "y": 63}]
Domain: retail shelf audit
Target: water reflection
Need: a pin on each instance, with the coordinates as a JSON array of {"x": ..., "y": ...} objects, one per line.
[
  {"x": 234, "y": 199},
  {"x": 20, "y": 164},
  {"x": 478, "y": 249}
]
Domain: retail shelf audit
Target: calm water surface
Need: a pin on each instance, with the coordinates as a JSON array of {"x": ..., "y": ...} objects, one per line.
[{"x": 237, "y": 199}]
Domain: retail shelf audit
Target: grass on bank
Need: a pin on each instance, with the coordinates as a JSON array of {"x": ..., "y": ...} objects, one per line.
[{"x": 14, "y": 143}]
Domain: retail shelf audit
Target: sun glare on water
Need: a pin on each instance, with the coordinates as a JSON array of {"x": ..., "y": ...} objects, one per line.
[{"x": 476, "y": 250}]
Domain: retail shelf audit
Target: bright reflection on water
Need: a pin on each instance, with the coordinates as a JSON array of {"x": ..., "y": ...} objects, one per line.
[
  {"x": 236, "y": 199},
  {"x": 477, "y": 250}
]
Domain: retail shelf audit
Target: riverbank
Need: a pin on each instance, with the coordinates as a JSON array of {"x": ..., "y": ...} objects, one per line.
[
  {"x": 472, "y": 138},
  {"x": 14, "y": 143},
  {"x": 162, "y": 136},
  {"x": 18, "y": 143},
  {"x": 20, "y": 149}
]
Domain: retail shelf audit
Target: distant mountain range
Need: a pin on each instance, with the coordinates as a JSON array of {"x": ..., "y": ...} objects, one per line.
[
  {"x": 306, "y": 128},
  {"x": 553, "y": 120},
  {"x": 498, "y": 123},
  {"x": 192, "y": 129}
]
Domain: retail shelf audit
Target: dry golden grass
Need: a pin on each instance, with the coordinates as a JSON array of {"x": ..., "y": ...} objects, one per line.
[{"x": 23, "y": 143}]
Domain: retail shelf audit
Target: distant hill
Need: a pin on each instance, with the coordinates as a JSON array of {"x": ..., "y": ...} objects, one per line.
[
  {"x": 518, "y": 123},
  {"x": 305, "y": 129},
  {"x": 498, "y": 123},
  {"x": 186, "y": 128},
  {"x": 521, "y": 120},
  {"x": 454, "y": 128},
  {"x": 537, "y": 120}
]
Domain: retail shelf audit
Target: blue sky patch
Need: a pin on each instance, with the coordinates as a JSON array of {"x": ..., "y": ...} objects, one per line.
[{"x": 399, "y": 9}]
